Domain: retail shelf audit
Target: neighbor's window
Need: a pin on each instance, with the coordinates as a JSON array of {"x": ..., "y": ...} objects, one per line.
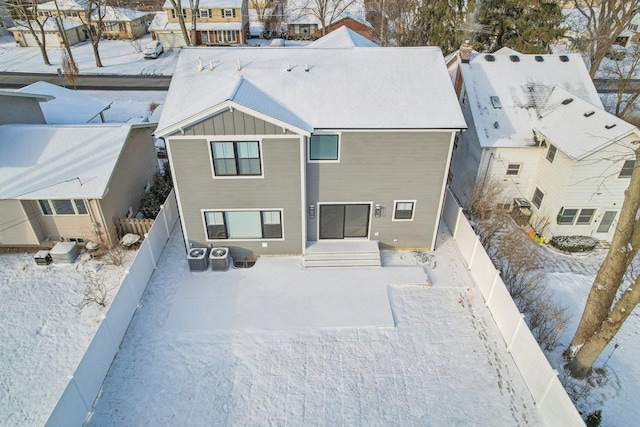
[
  {"x": 551, "y": 153},
  {"x": 228, "y": 13},
  {"x": 63, "y": 207},
  {"x": 627, "y": 169},
  {"x": 236, "y": 158},
  {"x": 324, "y": 147},
  {"x": 585, "y": 217},
  {"x": 243, "y": 224},
  {"x": 403, "y": 210},
  {"x": 204, "y": 13},
  {"x": 513, "y": 169},
  {"x": 577, "y": 216},
  {"x": 174, "y": 15},
  {"x": 537, "y": 198},
  {"x": 568, "y": 216}
]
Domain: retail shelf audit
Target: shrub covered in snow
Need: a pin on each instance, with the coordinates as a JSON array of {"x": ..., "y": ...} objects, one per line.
[{"x": 573, "y": 243}]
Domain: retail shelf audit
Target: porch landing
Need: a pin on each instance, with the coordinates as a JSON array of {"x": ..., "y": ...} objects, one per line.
[{"x": 342, "y": 253}]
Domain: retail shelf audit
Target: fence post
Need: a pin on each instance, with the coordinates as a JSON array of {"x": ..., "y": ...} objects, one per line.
[
  {"x": 546, "y": 390},
  {"x": 164, "y": 218},
  {"x": 153, "y": 259},
  {"x": 493, "y": 286},
  {"x": 515, "y": 333},
  {"x": 473, "y": 253},
  {"x": 457, "y": 222}
]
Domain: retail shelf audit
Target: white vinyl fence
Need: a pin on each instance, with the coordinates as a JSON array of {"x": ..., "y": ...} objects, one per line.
[
  {"x": 83, "y": 387},
  {"x": 550, "y": 397}
]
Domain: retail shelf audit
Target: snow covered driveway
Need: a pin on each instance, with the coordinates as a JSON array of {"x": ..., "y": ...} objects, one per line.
[{"x": 443, "y": 364}]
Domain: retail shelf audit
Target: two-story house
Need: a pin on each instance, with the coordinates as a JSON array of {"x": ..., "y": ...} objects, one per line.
[
  {"x": 290, "y": 149},
  {"x": 537, "y": 125},
  {"x": 218, "y": 22}
]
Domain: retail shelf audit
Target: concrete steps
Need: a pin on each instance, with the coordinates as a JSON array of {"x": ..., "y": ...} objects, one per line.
[{"x": 328, "y": 254}]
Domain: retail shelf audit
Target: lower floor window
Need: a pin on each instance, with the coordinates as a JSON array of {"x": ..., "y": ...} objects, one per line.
[
  {"x": 243, "y": 224},
  {"x": 403, "y": 210},
  {"x": 225, "y": 36},
  {"x": 537, "y": 198},
  {"x": 576, "y": 216},
  {"x": 63, "y": 207}
]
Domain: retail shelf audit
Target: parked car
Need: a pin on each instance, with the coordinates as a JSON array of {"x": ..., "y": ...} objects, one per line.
[{"x": 153, "y": 50}]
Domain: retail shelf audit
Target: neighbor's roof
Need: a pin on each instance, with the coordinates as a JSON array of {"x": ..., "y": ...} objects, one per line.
[
  {"x": 342, "y": 37},
  {"x": 63, "y": 5},
  {"x": 357, "y": 88},
  {"x": 68, "y": 106},
  {"x": 58, "y": 161},
  {"x": 49, "y": 25},
  {"x": 111, "y": 13},
  {"x": 121, "y": 14},
  {"x": 41, "y": 97},
  {"x": 209, "y": 4},
  {"x": 354, "y": 17},
  {"x": 578, "y": 128},
  {"x": 505, "y": 96}
]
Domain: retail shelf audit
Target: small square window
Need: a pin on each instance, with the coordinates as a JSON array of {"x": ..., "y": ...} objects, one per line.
[
  {"x": 513, "y": 169},
  {"x": 403, "y": 211},
  {"x": 323, "y": 147},
  {"x": 228, "y": 13},
  {"x": 203, "y": 13},
  {"x": 627, "y": 169},
  {"x": 551, "y": 153},
  {"x": 537, "y": 198}
]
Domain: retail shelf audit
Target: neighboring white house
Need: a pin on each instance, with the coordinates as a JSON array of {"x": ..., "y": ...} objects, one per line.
[{"x": 537, "y": 124}]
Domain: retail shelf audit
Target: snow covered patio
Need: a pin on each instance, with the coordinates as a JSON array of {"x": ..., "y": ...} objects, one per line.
[{"x": 277, "y": 344}]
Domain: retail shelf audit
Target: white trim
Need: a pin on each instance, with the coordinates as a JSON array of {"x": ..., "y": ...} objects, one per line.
[
  {"x": 413, "y": 211},
  {"x": 513, "y": 163},
  {"x": 318, "y": 133},
  {"x": 167, "y": 144},
  {"x": 444, "y": 190},
  {"x": 204, "y": 224},
  {"x": 344, "y": 238},
  {"x": 231, "y": 138}
]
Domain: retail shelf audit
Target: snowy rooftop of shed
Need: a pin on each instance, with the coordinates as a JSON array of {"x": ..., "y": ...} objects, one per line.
[
  {"x": 578, "y": 128},
  {"x": 355, "y": 88},
  {"x": 68, "y": 106},
  {"x": 507, "y": 90},
  {"x": 343, "y": 37},
  {"x": 58, "y": 161}
]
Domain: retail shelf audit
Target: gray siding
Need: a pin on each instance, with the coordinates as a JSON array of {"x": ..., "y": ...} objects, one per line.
[
  {"x": 233, "y": 123},
  {"x": 20, "y": 110},
  {"x": 278, "y": 189},
  {"x": 381, "y": 167}
]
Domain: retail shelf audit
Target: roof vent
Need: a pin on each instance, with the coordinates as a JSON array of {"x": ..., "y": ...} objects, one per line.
[
  {"x": 564, "y": 58},
  {"x": 495, "y": 101},
  {"x": 589, "y": 113},
  {"x": 490, "y": 58},
  {"x": 496, "y": 125},
  {"x": 610, "y": 126},
  {"x": 514, "y": 58},
  {"x": 539, "y": 58},
  {"x": 567, "y": 101}
]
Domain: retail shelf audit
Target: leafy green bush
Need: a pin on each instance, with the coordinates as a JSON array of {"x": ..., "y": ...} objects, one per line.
[
  {"x": 157, "y": 194},
  {"x": 573, "y": 243}
]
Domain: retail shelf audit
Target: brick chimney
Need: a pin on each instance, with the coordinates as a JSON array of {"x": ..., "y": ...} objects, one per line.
[{"x": 465, "y": 52}]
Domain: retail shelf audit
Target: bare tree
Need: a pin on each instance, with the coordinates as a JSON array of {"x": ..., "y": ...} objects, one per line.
[
  {"x": 92, "y": 17},
  {"x": 180, "y": 14},
  {"x": 69, "y": 69},
  {"x": 483, "y": 208},
  {"x": 622, "y": 71},
  {"x": 96, "y": 290},
  {"x": 194, "y": 5},
  {"x": 608, "y": 305},
  {"x": 26, "y": 11},
  {"x": 601, "y": 24},
  {"x": 326, "y": 11},
  {"x": 65, "y": 40}
]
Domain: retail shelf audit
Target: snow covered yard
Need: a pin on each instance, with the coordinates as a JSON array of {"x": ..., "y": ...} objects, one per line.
[
  {"x": 43, "y": 335},
  {"x": 189, "y": 360}
]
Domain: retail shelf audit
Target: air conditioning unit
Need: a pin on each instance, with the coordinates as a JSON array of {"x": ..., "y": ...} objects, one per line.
[
  {"x": 42, "y": 258},
  {"x": 219, "y": 259},
  {"x": 198, "y": 259}
]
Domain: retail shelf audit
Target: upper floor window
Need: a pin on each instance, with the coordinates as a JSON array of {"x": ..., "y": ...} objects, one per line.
[
  {"x": 537, "y": 198},
  {"x": 63, "y": 207},
  {"x": 204, "y": 13},
  {"x": 513, "y": 169},
  {"x": 236, "y": 158},
  {"x": 403, "y": 210},
  {"x": 324, "y": 148},
  {"x": 253, "y": 224},
  {"x": 174, "y": 15},
  {"x": 627, "y": 169},
  {"x": 228, "y": 13},
  {"x": 551, "y": 153}
]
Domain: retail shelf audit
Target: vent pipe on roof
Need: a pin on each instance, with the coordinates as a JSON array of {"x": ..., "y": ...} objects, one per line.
[
  {"x": 288, "y": 66},
  {"x": 610, "y": 126},
  {"x": 465, "y": 52},
  {"x": 200, "y": 67},
  {"x": 306, "y": 67},
  {"x": 211, "y": 68},
  {"x": 239, "y": 67}
]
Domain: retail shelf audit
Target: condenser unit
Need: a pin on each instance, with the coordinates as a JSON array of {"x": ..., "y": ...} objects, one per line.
[
  {"x": 198, "y": 259},
  {"x": 219, "y": 259}
]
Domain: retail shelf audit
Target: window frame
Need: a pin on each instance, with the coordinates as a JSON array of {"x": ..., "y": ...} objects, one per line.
[
  {"x": 568, "y": 220},
  {"x": 204, "y": 13},
  {"x": 395, "y": 210},
  {"x": 509, "y": 168},
  {"x": 228, "y": 13},
  {"x": 575, "y": 218},
  {"x": 225, "y": 224},
  {"x": 625, "y": 168},
  {"x": 552, "y": 151},
  {"x": 338, "y": 135},
  {"x": 533, "y": 199},
  {"x": 580, "y": 215},
  {"x": 259, "y": 141},
  {"x": 52, "y": 208}
]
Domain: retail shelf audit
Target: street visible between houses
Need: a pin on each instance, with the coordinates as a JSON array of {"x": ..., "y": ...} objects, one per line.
[{"x": 444, "y": 363}]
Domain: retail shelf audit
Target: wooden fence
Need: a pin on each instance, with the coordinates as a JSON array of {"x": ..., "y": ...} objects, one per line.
[{"x": 132, "y": 225}]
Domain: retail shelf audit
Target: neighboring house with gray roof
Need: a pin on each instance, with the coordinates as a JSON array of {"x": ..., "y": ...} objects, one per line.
[
  {"x": 293, "y": 149},
  {"x": 536, "y": 124}
]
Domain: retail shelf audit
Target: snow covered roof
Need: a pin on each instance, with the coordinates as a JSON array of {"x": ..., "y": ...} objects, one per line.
[
  {"x": 41, "y": 97},
  {"x": 49, "y": 25},
  {"x": 58, "y": 161},
  {"x": 67, "y": 106},
  {"x": 354, "y": 17},
  {"x": 209, "y": 4},
  {"x": 578, "y": 128},
  {"x": 341, "y": 38},
  {"x": 507, "y": 90},
  {"x": 111, "y": 13},
  {"x": 303, "y": 12},
  {"x": 121, "y": 14},
  {"x": 63, "y": 5},
  {"x": 357, "y": 88}
]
